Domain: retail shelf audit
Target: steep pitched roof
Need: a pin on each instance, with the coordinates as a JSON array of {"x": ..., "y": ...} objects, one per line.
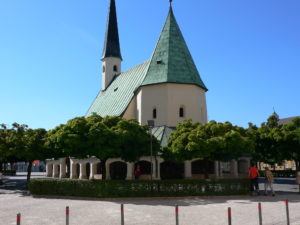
[
  {"x": 111, "y": 42},
  {"x": 171, "y": 61},
  {"x": 116, "y": 98},
  {"x": 162, "y": 134}
]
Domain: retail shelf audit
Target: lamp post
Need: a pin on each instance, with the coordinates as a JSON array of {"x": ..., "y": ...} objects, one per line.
[{"x": 151, "y": 125}]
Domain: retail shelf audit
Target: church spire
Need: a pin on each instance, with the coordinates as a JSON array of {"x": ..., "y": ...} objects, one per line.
[
  {"x": 171, "y": 61},
  {"x": 111, "y": 43}
]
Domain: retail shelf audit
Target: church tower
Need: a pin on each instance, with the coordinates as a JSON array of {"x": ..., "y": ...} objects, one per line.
[{"x": 111, "y": 57}]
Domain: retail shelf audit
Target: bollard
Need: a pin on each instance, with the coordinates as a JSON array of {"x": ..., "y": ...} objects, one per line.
[
  {"x": 19, "y": 219},
  {"x": 259, "y": 213},
  {"x": 229, "y": 216},
  {"x": 122, "y": 214},
  {"x": 287, "y": 212},
  {"x": 67, "y": 215},
  {"x": 176, "y": 215}
]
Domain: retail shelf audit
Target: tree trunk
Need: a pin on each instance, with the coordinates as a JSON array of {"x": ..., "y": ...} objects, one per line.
[{"x": 29, "y": 167}]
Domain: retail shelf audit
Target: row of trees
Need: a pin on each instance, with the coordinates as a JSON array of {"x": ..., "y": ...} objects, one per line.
[
  {"x": 80, "y": 137},
  {"x": 270, "y": 143},
  {"x": 111, "y": 137}
]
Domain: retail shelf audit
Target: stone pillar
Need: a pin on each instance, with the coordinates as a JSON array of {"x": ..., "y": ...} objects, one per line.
[
  {"x": 158, "y": 170},
  {"x": 82, "y": 174},
  {"x": 234, "y": 168},
  {"x": 73, "y": 172},
  {"x": 153, "y": 169},
  {"x": 93, "y": 169},
  {"x": 62, "y": 168},
  {"x": 130, "y": 167},
  {"x": 55, "y": 170},
  {"x": 187, "y": 169},
  {"x": 107, "y": 170},
  {"x": 217, "y": 169},
  {"x": 49, "y": 169}
]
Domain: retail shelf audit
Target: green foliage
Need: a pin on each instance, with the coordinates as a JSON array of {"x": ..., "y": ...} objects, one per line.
[
  {"x": 108, "y": 137},
  {"x": 275, "y": 143},
  {"x": 119, "y": 189},
  {"x": 215, "y": 141}
]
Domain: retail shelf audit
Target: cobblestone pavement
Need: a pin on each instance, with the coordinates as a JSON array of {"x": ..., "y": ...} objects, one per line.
[{"x": 192, "y": 211}]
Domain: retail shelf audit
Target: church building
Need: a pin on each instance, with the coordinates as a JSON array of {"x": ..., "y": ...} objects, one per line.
[{"x": 166, "y": 89}]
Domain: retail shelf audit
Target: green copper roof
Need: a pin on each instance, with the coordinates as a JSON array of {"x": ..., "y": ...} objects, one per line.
[
  {"x": 162, "y": 134},
  {"x": 171, "y": 61},
  {"x": 116, "y": 98}
]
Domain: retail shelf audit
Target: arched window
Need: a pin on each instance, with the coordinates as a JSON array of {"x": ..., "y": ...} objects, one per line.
[
  {"x": 115, "y": 68},
  {"x": 181, "y": 112},
  {"x": 154, "y": 113},
  {"x": 103, "y": 69}
]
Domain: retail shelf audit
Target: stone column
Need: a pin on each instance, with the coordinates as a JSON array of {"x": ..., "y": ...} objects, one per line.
[
  {"x": 73, "y": 172},
  {"x": 93, "y": 170},
  {"x": 62, "y": 168},
  {"x": 55, "y": 170},
  {"x": 107, "y": 170},
  {"x": 130, "y": 167},
  {"x": 187, "y": 169},
  {"x": 234, "y": 168},
  {"x": 153, "y": 169},
  {"x": 217, "y": 169},
  {"x": 158, "y": 170},
  {"x": 82, "y": 174},
  {"x": 49, "y": 169}
]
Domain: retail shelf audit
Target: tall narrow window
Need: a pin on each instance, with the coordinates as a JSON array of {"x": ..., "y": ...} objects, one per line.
[
  {"x": 154, "y": 113},
  {"x": 181, "y": 112},
  {"x": 115, "y": 68},
  {"x": 103, "y": 69}
]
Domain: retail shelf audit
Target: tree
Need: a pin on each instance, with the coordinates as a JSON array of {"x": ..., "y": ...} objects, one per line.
[
  {"x": 290, "y": 141},
  {"x": 34, "y": 140},
  {"x": 134, "y": 140},
  {"x": 213, "y": 141},
  {"x": 268, "y": 141}
]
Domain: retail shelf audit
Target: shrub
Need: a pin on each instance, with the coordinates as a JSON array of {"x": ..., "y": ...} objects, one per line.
[{"x": 115, "y": 189}]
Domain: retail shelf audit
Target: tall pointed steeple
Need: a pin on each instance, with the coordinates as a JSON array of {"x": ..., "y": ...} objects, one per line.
[
  {"x": 111, "y": 42},
  {"x": 171, "y": 61},
  {"x": 111, "y": 58}
]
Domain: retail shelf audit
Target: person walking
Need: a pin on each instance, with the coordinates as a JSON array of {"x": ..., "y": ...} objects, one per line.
[
  {"x": 269, "y": 181},
  {"x": 253, "y": 175}
]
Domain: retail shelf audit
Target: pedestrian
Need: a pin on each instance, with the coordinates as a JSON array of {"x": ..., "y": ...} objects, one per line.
[
  {"x": 253, "y": 175},
  {"x": 137, "y": 172},
  {"x": 269, "y": 181}
]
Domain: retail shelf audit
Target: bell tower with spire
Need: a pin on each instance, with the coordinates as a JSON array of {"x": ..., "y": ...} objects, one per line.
[{"x": 111, "y": 57}]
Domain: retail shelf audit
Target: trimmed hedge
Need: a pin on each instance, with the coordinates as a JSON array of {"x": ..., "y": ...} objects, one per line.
[{"x": 116, "y": 189}]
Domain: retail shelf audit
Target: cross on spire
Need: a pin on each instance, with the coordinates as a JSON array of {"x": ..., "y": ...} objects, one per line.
[{"x": 170, "y": 2}]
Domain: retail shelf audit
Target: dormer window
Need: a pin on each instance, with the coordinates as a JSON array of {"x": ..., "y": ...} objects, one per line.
[
  {"x": 154, "y": 113},
  {"x": 181, "y": 112},
  {"x": 115, "y": 68}
]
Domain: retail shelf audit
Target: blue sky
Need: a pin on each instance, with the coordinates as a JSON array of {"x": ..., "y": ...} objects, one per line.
[{"x": 248, "y": 54}]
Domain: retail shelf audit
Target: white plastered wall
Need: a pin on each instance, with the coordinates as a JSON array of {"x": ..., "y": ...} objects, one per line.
[
  {"x": 109, "y": 73},
  {"x": 167, "y": 99}
]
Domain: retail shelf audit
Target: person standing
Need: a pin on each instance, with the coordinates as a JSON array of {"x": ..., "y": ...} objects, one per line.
[
  {"x": 269, "y": 181},
  {"x": 253, "y": 175}
]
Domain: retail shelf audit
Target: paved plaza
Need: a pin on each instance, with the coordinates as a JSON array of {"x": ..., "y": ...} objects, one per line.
[{"x": 192, "y": 211}]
